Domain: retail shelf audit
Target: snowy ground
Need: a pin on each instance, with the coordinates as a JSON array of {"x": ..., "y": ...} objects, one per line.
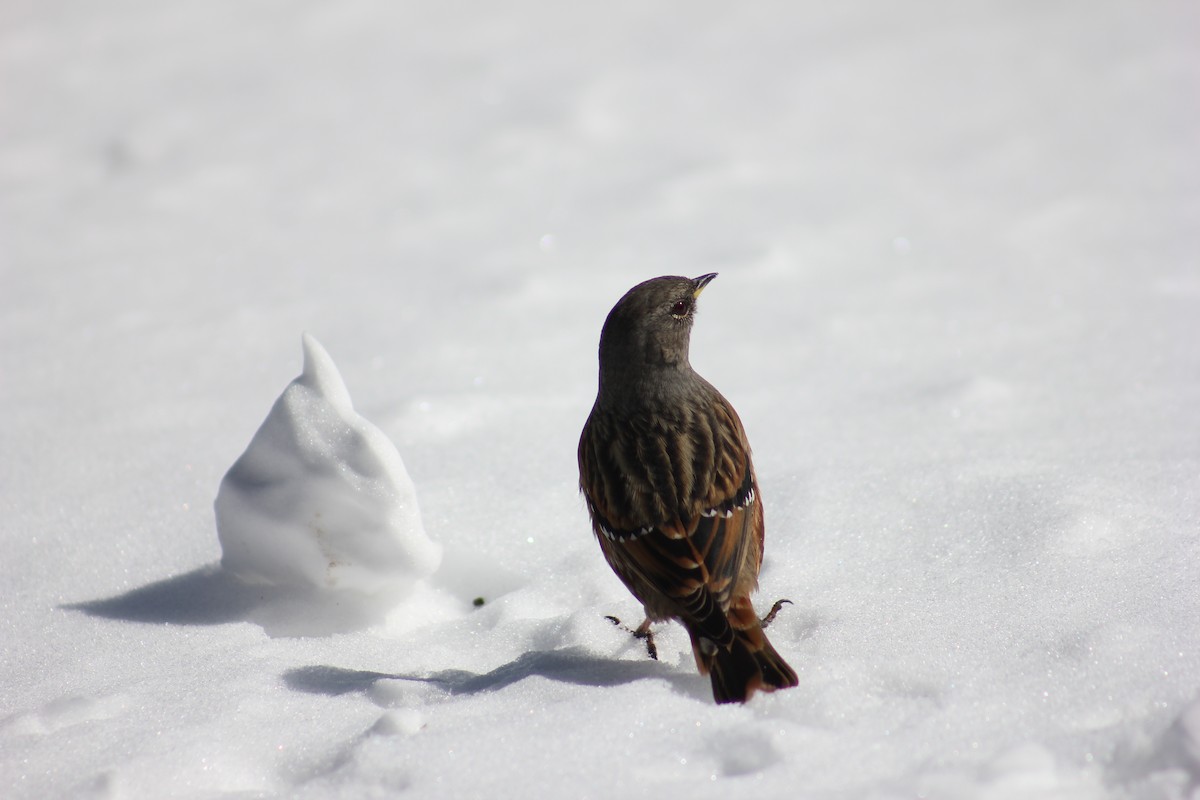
[{"x": 958, "y": 310}]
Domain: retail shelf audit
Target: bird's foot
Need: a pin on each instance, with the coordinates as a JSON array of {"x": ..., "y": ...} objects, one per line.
[
  {"x": 643, "y": 632},
  {"x": 770, "y": 617}
]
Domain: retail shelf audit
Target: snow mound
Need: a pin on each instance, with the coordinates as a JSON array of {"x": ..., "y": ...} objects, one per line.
[
  {"x": 321, "y": 507},
  {"x": 1179, "y": 749}
]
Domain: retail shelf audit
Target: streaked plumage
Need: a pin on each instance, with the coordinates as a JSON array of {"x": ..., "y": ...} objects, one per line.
[{"x": 665, "y": 470}]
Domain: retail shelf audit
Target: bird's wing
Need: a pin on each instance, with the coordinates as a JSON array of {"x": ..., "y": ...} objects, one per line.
[{"x": 679, "y": 522}]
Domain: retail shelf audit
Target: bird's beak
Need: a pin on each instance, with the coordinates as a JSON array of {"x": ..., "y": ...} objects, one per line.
[{"x": 701, "y": 282}]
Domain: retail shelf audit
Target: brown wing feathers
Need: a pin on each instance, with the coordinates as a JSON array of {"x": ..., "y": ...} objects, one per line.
[{"x": 691, "y": 563}]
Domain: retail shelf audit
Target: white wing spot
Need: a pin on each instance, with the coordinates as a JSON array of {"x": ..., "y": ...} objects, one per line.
[{"x": 613, "y": 536}]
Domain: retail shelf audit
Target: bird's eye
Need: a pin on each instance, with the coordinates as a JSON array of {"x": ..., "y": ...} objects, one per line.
[{"x": 681, "y": 309}]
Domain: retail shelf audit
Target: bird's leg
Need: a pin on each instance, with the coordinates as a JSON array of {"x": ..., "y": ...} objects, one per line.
[
  {"x": 770, "y": 617},
  {"x": 643, "y": 632}
]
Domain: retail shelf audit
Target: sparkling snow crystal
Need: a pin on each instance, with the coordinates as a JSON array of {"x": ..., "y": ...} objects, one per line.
[{"x": 320, "y": 504}]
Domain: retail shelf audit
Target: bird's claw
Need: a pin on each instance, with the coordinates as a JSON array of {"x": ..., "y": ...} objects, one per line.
[
  {"x": 770, "y": 617},
  {"x": 643, "y": 632}
]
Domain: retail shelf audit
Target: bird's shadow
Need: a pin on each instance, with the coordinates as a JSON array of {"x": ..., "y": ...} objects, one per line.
[
  {"x": 212, "y": 596},
  {"x": 573, "y": 665}
]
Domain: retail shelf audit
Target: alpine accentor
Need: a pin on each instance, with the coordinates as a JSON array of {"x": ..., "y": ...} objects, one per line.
[{"x": 665, "y": 468}]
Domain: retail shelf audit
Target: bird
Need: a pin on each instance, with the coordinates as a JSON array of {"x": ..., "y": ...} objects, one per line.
[{"x": 666, "y": 475}]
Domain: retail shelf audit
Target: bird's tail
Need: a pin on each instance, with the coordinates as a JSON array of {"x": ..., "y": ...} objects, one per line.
[{"x": 747, "y": 664}]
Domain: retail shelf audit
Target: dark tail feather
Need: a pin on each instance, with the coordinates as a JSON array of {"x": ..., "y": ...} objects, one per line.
[
  {"x": 747, "y": 665},
  {"x": 737, "y": 673}
]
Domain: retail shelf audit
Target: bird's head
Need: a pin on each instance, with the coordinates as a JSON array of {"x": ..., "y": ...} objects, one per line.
[{"x": 648, "y": 331}]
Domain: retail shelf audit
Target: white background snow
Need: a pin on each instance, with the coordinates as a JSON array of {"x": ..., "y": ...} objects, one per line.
[{"x": 958, "y": 311}]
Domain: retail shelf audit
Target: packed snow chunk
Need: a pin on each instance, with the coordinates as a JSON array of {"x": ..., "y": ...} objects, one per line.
[
  {"x": 1179, "y": 748},
  {"x": 320, "y": 504}
]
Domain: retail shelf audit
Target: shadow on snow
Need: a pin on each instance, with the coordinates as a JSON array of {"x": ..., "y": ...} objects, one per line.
[
  {"x": 212, "y": 596},
  {"x": 570, "y": 665}
]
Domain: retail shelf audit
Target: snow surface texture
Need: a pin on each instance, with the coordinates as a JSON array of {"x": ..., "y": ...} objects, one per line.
[
  {"x": 957, "y": 312},
  {"x": 321, "y": 509}
]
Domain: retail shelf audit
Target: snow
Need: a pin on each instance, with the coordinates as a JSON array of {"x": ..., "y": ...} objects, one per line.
[
  {"x": 321, "y": 509},
  {"x": 957, "y": 313}
]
